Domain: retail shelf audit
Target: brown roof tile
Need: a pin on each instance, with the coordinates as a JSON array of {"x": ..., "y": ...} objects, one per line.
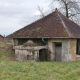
[{"x": 54, "y": 25}]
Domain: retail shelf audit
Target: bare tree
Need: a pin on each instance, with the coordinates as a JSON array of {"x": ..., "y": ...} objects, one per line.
[
  {"x": 70, "y": 8},
  {"x": 41, "y": 11}
]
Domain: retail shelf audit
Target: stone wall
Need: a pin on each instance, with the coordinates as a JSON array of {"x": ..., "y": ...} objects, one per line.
[
  {"x": 27, "y": 53},
  {"x": 72, "y": 49},
  {"x": 68, "y": 49}
]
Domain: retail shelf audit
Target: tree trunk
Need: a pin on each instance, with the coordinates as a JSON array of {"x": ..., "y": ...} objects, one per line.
[{"x": 66, "y": 7}]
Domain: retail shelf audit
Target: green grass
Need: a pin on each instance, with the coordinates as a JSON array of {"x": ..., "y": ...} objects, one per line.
[
  {"x": 14, "y": 70},
  {"x": 1, "y": 43},
  {"x": 30, "y": 70}
]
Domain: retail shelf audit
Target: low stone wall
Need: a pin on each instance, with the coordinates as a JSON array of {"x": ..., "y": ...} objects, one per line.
[{"x": 27, "y": 53}]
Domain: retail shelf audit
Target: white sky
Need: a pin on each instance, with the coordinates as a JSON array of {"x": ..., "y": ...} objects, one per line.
[{"x": 15, "y": 14}]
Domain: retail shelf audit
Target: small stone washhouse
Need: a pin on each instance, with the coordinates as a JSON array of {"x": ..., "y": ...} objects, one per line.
[{"x": 51, "y": 38}]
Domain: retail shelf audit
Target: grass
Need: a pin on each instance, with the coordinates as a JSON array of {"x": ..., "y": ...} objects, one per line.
[
  {"x": 14, "y": 70},
  {"x": 30, "y": 70}
]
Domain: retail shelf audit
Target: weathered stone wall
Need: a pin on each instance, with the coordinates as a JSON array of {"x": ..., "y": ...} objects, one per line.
[
  {"x": 68, "y": 48},
  {"x": 15, "y": 42},
  {"x": 26, "y": 53},
  {"x": 65, "y": 48},
  {"x": 72, "y": 49},
  {"x": 21, "y": 55}
]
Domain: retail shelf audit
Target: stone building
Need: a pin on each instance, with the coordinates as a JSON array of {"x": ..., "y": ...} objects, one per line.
[
  {"x": 1, "y": 38},
  {"x": 53, "y": 37}
]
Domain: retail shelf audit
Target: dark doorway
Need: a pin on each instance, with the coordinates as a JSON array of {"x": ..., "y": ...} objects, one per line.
[
  {"x": 58, "y": 51},
  {"x": 78, "y": 47},
  {"x": 43, "y": 55}
]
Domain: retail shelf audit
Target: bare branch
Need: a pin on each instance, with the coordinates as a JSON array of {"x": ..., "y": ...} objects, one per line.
[
  {"x": 70, "y": 8},
  {"x": 41, "y": 11}
]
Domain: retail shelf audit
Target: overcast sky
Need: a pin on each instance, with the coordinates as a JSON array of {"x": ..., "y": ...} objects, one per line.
[{"x": 15, "y": 14}]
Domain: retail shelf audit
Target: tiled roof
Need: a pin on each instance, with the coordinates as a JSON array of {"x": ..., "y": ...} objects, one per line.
[{"x": 54, "y": 25}]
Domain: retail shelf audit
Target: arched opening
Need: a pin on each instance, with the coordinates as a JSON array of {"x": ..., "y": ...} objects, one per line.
[{"x": 43, "y": 55}]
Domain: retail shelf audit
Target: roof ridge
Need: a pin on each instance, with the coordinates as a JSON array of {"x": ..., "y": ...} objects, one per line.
[{"x": 64, "y": 24}]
